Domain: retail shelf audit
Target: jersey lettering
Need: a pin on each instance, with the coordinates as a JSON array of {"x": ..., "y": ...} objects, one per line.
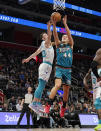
[
  {"x": 69, "y": 55},
  {"x": 65, "y": 55}
]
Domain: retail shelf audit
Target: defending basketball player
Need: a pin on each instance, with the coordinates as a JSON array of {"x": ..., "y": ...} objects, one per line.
[
  {"x": 64, "y": 50},
  {"x": 96, "y": 84},
  {"x": 44, "y": 69}
]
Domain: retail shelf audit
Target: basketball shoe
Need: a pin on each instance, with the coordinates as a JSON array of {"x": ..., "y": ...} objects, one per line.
[
  {"x": 34, "y": 106},
  {"x": 40, "y": 107},
  {"x": 98, "y": 127}
]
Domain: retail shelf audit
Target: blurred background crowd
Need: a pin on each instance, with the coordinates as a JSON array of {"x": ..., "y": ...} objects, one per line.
[
  {"x": 15, "y": 78},
  {"x": 18, "y": 41}
]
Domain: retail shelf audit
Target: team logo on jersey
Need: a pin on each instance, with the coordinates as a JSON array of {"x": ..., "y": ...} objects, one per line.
[{"x": 63, "y": 49}]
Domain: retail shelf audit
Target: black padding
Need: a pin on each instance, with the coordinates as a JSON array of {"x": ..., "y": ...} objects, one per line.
[{"x": 94, "y": 65}]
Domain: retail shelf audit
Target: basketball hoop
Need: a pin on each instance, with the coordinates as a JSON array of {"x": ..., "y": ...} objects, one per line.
[{"x": 58, "y": 5}]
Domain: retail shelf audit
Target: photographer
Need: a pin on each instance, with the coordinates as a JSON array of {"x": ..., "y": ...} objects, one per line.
[{"x": 55, "y": 114}]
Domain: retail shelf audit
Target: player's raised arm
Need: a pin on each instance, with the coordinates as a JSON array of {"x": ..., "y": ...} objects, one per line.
[
  {"x": 71, "y": 42},
  {"x": 55, "y": 34},
  {"x": 31, "y": 56},
  {"x": 49, "y": 33},
  {"x": 86, "y": 78},
  {"x": 97, "y": 57}
]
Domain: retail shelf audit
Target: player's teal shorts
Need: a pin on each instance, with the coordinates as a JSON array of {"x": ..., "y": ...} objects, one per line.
[
  {"x": 64, "y": 74},
  {"x": 97, "y": 103}
]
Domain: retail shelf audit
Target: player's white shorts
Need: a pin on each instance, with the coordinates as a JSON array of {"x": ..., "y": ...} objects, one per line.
[
  {"x": 96, "y": 93},
  {"x": 45, "y": 71}
]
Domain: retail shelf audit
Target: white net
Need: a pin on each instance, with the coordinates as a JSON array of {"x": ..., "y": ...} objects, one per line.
[{"x": 59, "y": 4}]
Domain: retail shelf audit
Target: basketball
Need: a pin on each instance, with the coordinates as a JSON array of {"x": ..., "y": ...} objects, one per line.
[{"x": 56, "y": 16}]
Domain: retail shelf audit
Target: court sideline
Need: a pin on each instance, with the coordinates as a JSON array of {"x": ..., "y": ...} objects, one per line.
[{"x": 54, "y": 129}]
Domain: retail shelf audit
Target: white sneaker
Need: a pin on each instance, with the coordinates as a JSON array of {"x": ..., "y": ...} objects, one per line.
[{"x": 34, "y": 107}]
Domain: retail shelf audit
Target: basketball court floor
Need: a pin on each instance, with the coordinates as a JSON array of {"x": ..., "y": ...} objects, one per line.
[{"x": 51, "y": 129}]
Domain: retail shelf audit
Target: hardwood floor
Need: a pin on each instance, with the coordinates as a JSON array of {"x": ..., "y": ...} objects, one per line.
[{"x": 51, "y": 129}]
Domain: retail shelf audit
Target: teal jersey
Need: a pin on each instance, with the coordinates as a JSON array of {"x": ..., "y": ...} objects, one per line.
[{"x": 64, "y": 55}]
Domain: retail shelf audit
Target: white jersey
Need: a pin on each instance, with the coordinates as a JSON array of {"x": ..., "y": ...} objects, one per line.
[
  {"x": 96, "y": 87},
  {"x": 48, "y": 57},
  {"x": 47, "y": 53}
]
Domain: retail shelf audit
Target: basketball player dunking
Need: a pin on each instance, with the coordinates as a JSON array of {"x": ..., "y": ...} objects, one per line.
[
  {"x": 64, "y": 50},
  {"x": 44, "y": 69},
  {"x": 96, "y": 84}
]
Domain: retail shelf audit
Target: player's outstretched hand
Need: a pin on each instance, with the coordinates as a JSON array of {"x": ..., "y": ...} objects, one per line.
[
  {"x": 53, "y": 21},
  {"x": 64, "y": 19},
  {"x": 25, "y": 61},
  {"x": 49, "y": 23}
]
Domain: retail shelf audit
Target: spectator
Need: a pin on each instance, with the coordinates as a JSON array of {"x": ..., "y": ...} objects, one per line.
[
  {"x": 27, "y": 84},
  {"x": 19, "y": 106},
  {"x": 22, "y": 76},
  {"x": 55, "y": 114},
  {"x": 12, "y": 103},
  {"x": 85, "y": 108},
  {"x": 5, "y": 107},
  {"x": 72, "y": 108}
]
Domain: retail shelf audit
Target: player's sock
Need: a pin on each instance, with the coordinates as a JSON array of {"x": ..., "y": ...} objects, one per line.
[
  {"x": 39, "y": 103},
  {"x": 39, "y": 90},
  {"x": 34, "y": 102}
]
